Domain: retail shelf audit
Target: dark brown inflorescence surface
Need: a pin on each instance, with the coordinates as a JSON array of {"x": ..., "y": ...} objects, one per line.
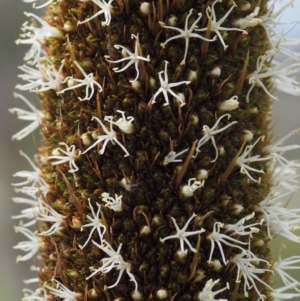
[{"x": 166, "y": 146}]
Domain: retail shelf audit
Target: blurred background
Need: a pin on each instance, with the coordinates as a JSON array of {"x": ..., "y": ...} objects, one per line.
[{"x": 286, "y": 118}]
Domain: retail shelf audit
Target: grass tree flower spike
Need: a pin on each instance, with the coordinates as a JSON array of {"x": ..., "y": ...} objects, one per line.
[{"x": 155, "y": 121}]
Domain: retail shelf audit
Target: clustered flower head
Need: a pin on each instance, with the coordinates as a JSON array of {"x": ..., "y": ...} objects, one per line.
[{"x": 156, "y": 177}]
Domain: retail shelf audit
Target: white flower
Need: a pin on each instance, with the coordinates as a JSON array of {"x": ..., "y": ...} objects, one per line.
[
  {"x": 133, "y": 58},
  {"x": 28, "y": 213},
  {"x": 35, "y": 116},
  {"x": 218, "y": 238},
  {"x": 44, "y": 78},
  {"x": 105, "y": 8},
  {"x": 269, "y": 21},
  {"x": 286, "y": 178},
  {"x": 280, "y": 294},
  {"x": 114, "y": 204},
  {"x": 123, "y": 123},
  {"x": 88, "y": 81},
  {"x": 109, "y": 137},
  {"x": 284, "y": 74},
  {"x": 250, "y": 273},
  {"x": 63, "y": 292},
  {"x": 244, "y": 158},
  {"x": 281, "y": 72},
  {"x": 249, "y": 21},
  {"x": 34, "y": 5},
  {"x": 33, "y": 178},
  {"x": 96, "y": 223},
  {"x": 216, "y": 25},
  {"x": 31, "y": 246},
  {"x": 37, "y": 270},
  {"x": 207, "y": 293},
  {"x": 171, "y": 157},
  {"x": 229, "y": 104},
  {"x": 186, "y": 33},
  {"x": 36, "y": 37},
  {"x": 193, "y": 184},
  {"x": 277, "y": 151},
  {"x": 165, "y": 87},
  {"x": 115, "y": 260},
  {"x": 288, "y": 264},
  {"x": 210, "y": 132},
  {"x": 279, "y": 219},
  {"x": 49, "y": 215},
  {"x": 182, "y": 234},
  {"x": 38, "y": 295},
  {"x": 70, "y": 156},
  {"x": 239, "y": 228}
]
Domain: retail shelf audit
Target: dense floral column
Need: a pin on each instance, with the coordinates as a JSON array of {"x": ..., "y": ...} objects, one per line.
[{"x": 158, "y": 176}]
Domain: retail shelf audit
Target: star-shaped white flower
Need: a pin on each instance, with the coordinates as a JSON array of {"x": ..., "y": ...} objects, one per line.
[
  {"x": 70, "y": 156},
  {"x": 115, "y": 260},
  {"x": 171, "y": 157},
  {"x": 185, "y": 34},
  {"x": 105, "y": 8},
  {"x": 124, "y": 123},
  {"x": 35, "y": 116},
  {"x": 37, "y": 295},
  {"x": 44, "y": 78},
  {"x": 63, "y": 292},
  {"x": 96, "y": 223},
  {"x": 218, "y": 238},
  {"x": 207, "y": 293},
  {"x": 36, "y": 38},
  {"x": 244, "y": 158},
  {"x": 182, "y": 234},
  {"x": 133, "y": 58},
  {"x": 165, "y": 87},
  {"x": 192, "y": 185},
  {"x": 38, "y": 184},
  {"x": 210, "y": 132},
  {"x": 246, "y": 265},
  {"x": 114, "y": 204},
  {"x": 88, "y": 81},
  {"x": 31, "y": 246},
  {"x": 282, "y": 267},
  {"x": 28, "y": 213},
  {"x": 216, "y": 26},
  {"x": 49, "y": 215},
  {"x": 109, "y": 137}
]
